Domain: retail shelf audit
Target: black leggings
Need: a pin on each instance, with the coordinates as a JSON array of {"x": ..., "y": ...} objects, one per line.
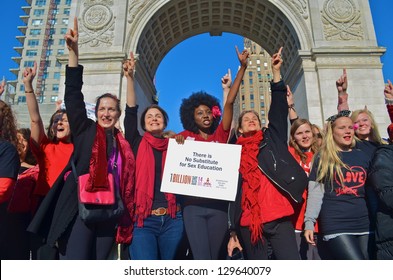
[
  {"x": 349, "y": 247},
  {"x": 281, "y": 235}
]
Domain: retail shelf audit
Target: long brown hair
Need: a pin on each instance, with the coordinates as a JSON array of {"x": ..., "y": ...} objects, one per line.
[
  {"x": 314, "y": 146},
  {"x": 8, "y": 127}
]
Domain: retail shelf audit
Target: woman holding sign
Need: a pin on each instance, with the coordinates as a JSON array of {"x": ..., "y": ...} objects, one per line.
[
  {"x": 270, "y": 179},
  {"x": 205, "y": 220},
  {"x": 158, "y": 218}
]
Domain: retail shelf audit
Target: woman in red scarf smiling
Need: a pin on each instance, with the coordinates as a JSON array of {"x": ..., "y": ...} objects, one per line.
[
  {"x": 99, "y": 149},
  {"x": 270, "y": 179},
  {"x": 158, "y": 228}
]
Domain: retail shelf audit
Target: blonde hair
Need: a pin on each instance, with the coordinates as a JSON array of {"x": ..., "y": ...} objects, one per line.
[
  {"x": 330, "y": 162},
  {"x": 374, "y": 136}
]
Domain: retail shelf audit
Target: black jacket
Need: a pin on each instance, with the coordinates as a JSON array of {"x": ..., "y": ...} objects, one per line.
[{"x": 381, "y": 179}]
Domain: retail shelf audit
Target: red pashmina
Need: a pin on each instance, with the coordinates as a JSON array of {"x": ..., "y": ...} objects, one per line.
[
  {"x": 145, "y": 176},
  {"x": 253, "y": 179}
]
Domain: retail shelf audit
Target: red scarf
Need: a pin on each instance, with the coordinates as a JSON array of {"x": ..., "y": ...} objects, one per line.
[
  {"x": 98, "y": 169},
  {"x": 145, "y": 176},
  {"x": 253, "y": 179}
]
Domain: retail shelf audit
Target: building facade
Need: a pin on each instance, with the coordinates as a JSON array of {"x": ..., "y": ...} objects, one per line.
[{"x": 42, "y": 40}]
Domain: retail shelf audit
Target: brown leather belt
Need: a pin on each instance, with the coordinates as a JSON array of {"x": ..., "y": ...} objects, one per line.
[{"x": 161, "y": 211}]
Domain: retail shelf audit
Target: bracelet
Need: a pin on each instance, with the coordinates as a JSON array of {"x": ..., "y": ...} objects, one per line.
[{"x": 29, "y": 91}]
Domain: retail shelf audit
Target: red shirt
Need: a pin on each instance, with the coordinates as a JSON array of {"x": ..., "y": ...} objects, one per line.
[
  {"x": 220, "y": 135},
  {"x": 300, "y": 209},
  {"x": 52, "y": 158}
]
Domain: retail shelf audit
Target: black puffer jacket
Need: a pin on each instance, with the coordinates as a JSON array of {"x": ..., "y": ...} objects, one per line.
[{"x": 381, "y": 179}]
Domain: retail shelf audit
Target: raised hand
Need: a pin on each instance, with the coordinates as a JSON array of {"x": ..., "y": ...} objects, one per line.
[
  {"x": 277, "y": 60},
  {"x": 29, "y": 75},
  {"x": 243, "y": 57},
  {"x": 388, "y": 91},
  {"x": 290, "y": 96},
  {"x": 226, "y": 80},
  {"x": 129, "y": 66},
  {"x": 71, "y": 37},
  {"x": 2, "y": 87},
  {"x": 342, "y": 82}
]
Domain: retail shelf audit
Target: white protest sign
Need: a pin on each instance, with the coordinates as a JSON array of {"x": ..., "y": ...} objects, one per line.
[{"x": 202, "y": 169}]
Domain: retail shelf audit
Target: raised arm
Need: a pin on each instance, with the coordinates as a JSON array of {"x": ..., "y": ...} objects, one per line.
[
  {"x": 228, "y": 108},
  {"x": 276, "y": 66},
  {"x": 2, "y": 86},
  {"x": 226, "y": 83},
  {"x": 342, "y": 85},
  {"x": 292, "y": 114},
  {"x": 129, "y": 71},
  {"x": 71, "y": 38},
  {"x": 36, "y": 124}
]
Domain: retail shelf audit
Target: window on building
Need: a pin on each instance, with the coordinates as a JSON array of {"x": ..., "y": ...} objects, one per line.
[
  {"x": 250, "y": 81},
  {"x": 39, "y": 12},
  {"x": 53, "y": 98},
  {"x": 22, "y": 99},
  {"x": 68, "y": 2},
  {"x": 65, "y": 21},
  {"x": 260, "y": 76},
  {"x": 259, "y": 68},
  {"x": 31, "y": 53},
  {"x": 60, "y": 51},
  {"x": 52, "y": 31},
  {"x": 47, "y": 63},
  {"x": 55, "y": 11},
  {"x": 250, "y": 73},
  {"x": 33, "y": 43},
  {"x": 35, "y": 31},
  {"x": 67, "y": 11},
  {"x": 50, "y": 42},
  {"x": 37, "y": 22},
  {"x": 45, "y": 75},
  {"x": 263, "y": 121},
  {"x": 22, "y": 87},
  {"x": 63, "y": 31},
  {"x": 40, "y": 2},
  {"x": 57, "y": 2},
  {"x": 242, "y": 97},
  {"x": 49, "y": 52},
  {"x": 243, "y": 106},
  {"x": 56, "y": 75},
  {"x": 265, "y": 65},
  {"x": 258, "y": 61},
  {"x": 263, "y": 113},
  {"x": 61, "y": 42},
  {"x": 262, "y": 104},
  {"x": 252, "y": 105},
  {"x": 58, "y": 64},
  {"x": 55, "y": 88},
  {"x": 262, "y": 97},
  {"x": 53, "y": 21},
  {"x": 251, "y": 96}
]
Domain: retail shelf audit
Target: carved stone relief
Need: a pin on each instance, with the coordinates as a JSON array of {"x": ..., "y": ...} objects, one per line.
[
  {"x": 134, "y": 8},
  {"x": 96, "y": 27},
  {"x": 341, "y": 20},
  {"x": 301, "y": 7}
]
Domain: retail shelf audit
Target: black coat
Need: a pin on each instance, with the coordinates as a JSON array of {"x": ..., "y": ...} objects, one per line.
[{"x": 381, "y": 179}]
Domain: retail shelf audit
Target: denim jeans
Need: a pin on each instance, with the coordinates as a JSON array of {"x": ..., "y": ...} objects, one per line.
[{"x": 159, "y": 238}]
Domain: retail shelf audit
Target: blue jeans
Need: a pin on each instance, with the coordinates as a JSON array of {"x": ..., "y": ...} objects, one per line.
[{"x": 159, "y": 238}]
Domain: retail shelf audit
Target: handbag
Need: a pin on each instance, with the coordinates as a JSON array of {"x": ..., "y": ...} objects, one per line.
[{"x": 97, "y": 211}]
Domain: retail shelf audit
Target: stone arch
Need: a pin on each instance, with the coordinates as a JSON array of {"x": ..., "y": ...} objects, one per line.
[{"x": 320, "y": 37}]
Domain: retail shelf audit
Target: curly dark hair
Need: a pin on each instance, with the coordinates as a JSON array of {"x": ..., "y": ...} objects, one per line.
[
  {"x": 189, "y": 105},
  {"x": 51, "y": 135},
  {"x": 8, "y": 125}
]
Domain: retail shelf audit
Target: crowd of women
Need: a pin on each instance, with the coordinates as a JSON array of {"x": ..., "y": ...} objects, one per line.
[{"x": 313, "y": 194}]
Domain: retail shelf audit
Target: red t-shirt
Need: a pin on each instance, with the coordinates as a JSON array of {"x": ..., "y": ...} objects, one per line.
[
  {"x": 52, "y": 158},
  {"x": 300, "y": 209},
  {"x": 220, "y": 135}
]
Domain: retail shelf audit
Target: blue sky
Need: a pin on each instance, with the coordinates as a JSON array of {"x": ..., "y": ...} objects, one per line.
[{"x": 199, "y": 62}]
